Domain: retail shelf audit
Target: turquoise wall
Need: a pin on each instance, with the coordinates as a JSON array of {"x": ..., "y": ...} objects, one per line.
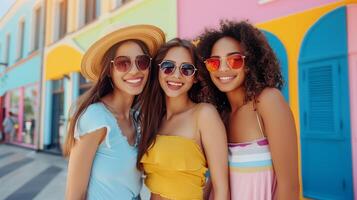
[{"x": 30, "y": 70}]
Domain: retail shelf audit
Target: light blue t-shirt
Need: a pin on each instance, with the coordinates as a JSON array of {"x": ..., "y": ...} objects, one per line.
[{"x": 114, "y": 174}]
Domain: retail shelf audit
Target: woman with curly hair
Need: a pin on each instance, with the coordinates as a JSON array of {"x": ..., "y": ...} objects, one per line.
[
  {"x": 181, "y": 135},
  {"x": 261, "y": 131}
]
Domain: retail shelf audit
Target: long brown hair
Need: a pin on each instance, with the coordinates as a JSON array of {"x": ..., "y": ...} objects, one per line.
[
  {"x": 152, "y": 102},
  {"x": 100, "y": 89}
]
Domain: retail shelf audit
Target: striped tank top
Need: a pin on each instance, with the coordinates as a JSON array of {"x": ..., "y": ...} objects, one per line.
[{"x": 251, "y": 170}]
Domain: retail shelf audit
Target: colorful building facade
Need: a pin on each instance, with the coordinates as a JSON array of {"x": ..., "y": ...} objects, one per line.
[
  {"x": 315, "y": 42},
  {"x": 69, "y": 39},
  {"x": 21, "y": 53}
]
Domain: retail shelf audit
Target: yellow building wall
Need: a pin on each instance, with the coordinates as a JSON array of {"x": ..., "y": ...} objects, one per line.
[
  {"x": 64, "y": 56},
  {"x": 291, "y": 31}
]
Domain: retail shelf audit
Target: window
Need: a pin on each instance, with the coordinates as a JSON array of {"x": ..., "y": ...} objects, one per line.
[
  {"x": 36, "y": 28},
  {"x": 20, "y": 47},
  {"x": 14, "y": 108},
  {"x": 117, "y": 3},
  {"x": 30, "y": 114},
  {"x": 58, "y": 86},
  {"x": 126, "y": 1},
  {"x": 7, "y": 49},
  {"x": 62, "y": 19},
  {"x": 90, "y": 11},
  {"x": 58, "y": 118},
  {"x": 84, "y": 84}
]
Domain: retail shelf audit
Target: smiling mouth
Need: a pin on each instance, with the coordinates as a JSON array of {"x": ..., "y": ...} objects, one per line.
[
  {"x": 226, "y": 79},
  {"x": 174, "y": 85},
  {"x": 134, "y": 82}
]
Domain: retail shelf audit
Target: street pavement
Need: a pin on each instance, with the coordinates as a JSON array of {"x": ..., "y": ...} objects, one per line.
[{"x": 27, "y": 174}]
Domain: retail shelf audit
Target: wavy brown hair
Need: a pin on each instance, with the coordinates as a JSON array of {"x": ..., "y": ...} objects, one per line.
[
  {"x": 100, "y": 89},
  {"x": 262, "y": 65},
  {"x": 152, "y": 101}
]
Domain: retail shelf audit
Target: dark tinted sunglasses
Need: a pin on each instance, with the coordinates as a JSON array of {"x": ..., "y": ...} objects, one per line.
[
  {"x": 124, "y": 63},
  {"x": 169, "y": 67}
]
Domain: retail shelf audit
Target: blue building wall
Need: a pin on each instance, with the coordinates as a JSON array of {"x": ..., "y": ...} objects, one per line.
[
  {"x": 28, "y": 69},
  {"x": 23, "y": 71}
]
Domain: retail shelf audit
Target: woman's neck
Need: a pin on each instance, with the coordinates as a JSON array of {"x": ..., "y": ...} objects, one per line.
[
  {"x": 236, "y": 98},
  {"x": 176, "y": 105},
  {"x": 119, "y": 102}
]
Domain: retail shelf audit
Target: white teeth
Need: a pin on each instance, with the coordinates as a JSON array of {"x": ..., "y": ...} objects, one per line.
[
  {"x": 225, "y": 78},
  {"x": 174, "y": 83},
  {"x": 134, "y": 80}
]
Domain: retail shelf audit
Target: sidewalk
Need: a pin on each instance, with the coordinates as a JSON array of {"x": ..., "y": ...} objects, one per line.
[{"x": 26, "y": 174}]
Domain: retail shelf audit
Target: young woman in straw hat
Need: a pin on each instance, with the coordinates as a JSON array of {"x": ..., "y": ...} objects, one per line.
[{"x": 103, "y": 133}]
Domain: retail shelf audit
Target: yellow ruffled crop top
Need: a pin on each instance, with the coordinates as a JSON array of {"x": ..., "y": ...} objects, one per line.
[{"x": 175, "y": 168}]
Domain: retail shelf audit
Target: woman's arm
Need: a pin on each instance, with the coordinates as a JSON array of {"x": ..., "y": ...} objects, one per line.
[
  {"x": 214, "y": 141},
  {"x": 280, "y": 130},
  {"x": 80, "y": 164}
]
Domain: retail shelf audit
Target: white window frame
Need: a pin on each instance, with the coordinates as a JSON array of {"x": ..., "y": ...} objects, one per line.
[
  {"x": 20, "y": 38},
  {"x": 36, "y": 28},
  {"x": 7, "y": 49},
  {"x": 82, "y": 12},
  {"x": 60, "y": 18},
  {"x": 56, "y": 20}
]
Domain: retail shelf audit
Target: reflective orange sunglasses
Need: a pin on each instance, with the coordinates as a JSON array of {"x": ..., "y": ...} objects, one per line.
[{"x": 234, "y": 61}]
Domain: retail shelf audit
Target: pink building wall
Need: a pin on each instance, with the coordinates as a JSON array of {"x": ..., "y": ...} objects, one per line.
[
  {"x": 193, "y": 16},
  {"x": 352, "y": 54}
]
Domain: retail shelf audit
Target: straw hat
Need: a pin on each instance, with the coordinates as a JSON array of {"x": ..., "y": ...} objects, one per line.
[{"x": 151, "y": 35}]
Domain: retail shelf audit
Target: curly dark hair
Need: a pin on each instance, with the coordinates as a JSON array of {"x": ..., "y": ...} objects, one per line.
[
  {"x": 262, "y": 65},
  {"x": 152, "y": 101}
]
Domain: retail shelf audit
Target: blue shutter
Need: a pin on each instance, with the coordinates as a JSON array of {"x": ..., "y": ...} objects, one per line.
[
  {"x": 324, "y": 110},
  {"x": 320, "y": 114}
]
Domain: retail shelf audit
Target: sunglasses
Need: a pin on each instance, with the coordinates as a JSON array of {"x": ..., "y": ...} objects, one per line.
[
  {"x": 169, "y": 67},
  {"x": 234, "y": 61},
  {"x": 124, "y": 64}
]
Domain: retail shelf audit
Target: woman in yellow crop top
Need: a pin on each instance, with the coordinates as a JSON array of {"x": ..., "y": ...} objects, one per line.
[{"x": 180, "y": 134}]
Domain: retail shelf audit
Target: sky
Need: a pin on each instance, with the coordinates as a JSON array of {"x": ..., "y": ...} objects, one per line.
[{"x": 5, "y": 6}]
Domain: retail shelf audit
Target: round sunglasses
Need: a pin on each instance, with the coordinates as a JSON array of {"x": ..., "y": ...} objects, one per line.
[
  {"x": 169, "y": 67},
  {"x": 124, "y": 63},
  {"x": 234, "y": 61}
]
